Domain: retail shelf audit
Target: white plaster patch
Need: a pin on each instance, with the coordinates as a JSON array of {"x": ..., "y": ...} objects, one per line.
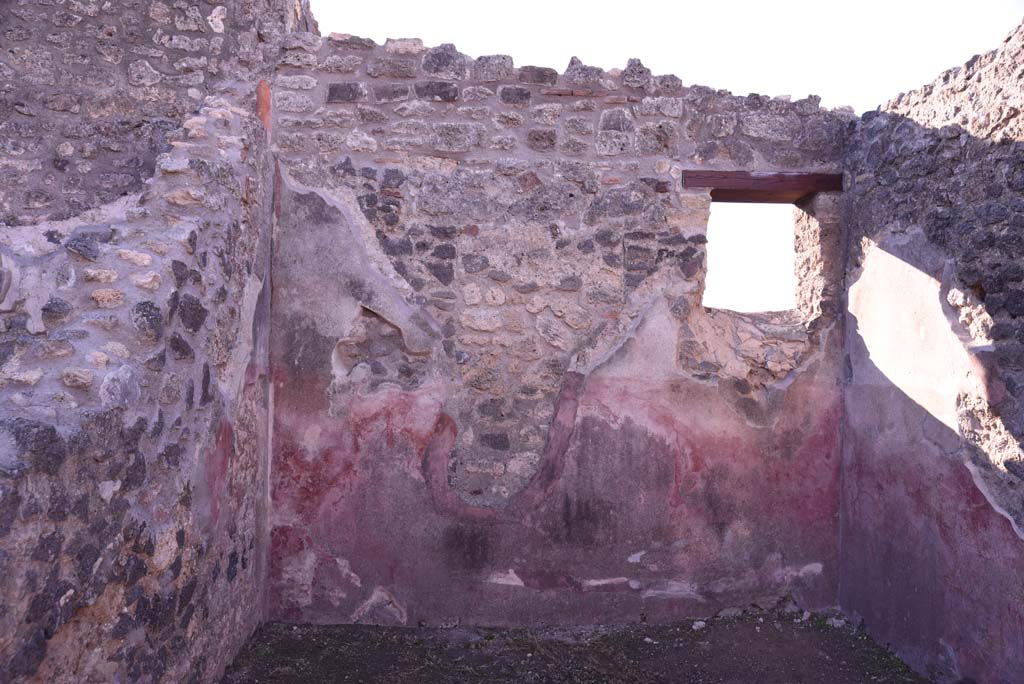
[
  {"x": 29, "y": 377},
  {"x": 471, "y": 294},
  {"x": 603, "y": 582},
  {"x": 9, "y": 456},
  {"x": 311, "y": 441},
  {"x": 909, "y": 338},
  {"x": 297, "y": 577},
  {"x": 508, "y": 578},
  {"x": 166, "y": 548},
  {"x": 336, "y": 596},
  {"x": 147, "y": 281},
  {"x": 673, "y": 589},
  {"x": 983, "y": 487},
  {"x": 241, "y": 353},
  {"x": 381, "y": 601},
  {"x": 137, "y": 258},
  {"x": 108, "y": 488},
  {"x": 811, "y": 570},
  {"x": 346, "y": 571},
  {"x": 358, "y": 141}
]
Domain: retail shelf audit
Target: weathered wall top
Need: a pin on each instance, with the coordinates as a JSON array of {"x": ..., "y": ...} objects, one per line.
[
  {"x": 344, "y": 81},
  {"x": 981, "y": 96}
]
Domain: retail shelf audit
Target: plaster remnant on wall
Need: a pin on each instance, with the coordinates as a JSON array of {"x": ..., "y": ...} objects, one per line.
[{"x": 380, "y": 605}]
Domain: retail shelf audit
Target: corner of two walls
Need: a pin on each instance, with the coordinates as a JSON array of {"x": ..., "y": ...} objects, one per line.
[
  {"x": 932, "y": 547},
  {"x": 497, "y": 397}
]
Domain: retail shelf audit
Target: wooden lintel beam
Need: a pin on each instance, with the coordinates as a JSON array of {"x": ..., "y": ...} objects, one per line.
[{"x": 775, "y": 188}]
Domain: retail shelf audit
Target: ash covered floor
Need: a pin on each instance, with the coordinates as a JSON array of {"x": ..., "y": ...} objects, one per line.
[{"x": 764, "y": 647}]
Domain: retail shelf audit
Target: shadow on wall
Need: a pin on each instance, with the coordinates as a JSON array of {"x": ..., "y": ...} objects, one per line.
[{"x": 931, "y": 544}]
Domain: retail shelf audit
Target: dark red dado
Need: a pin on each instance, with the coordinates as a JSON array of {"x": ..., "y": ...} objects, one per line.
[{"x": 646, "y": 514}]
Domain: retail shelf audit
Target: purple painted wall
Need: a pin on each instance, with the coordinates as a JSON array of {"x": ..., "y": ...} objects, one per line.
[{"x": 641, "y": 507}]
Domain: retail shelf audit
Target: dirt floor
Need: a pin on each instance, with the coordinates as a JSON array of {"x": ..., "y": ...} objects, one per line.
[{"x": 758, "y": 647}]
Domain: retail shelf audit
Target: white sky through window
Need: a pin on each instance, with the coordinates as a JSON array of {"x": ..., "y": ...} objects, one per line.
[{"x": 750, "y": 257}]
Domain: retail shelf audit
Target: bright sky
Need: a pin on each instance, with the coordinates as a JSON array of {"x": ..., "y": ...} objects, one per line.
[
  {"x": 750, "y": 257},
  {"x": 859, "y": 53}
]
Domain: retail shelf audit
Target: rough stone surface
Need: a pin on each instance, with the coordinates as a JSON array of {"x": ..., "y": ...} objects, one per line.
[
  {"x": 483, "y": 389},
  {"x": 132, "y": 479},
  {"x": 91, "y": 92}
]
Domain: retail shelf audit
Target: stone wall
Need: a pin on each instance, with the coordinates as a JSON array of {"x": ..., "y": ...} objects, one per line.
[
  {"x": 133, "y": 338},
  {"x": 480, "y": 387},
  {"x": 932, "y": 541},
  {"x": 497, "y": 397},
  {"x": 90, "y": 90}
]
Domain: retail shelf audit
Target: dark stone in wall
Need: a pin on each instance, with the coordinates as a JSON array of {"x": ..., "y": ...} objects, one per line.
[
  {"x": 445, "y": 61},
  {"x": 390, "y": 92},
  {"x": 440, "y": 91},
  {"x": 148, "y": 320},
  {"x": 616, "y": 120},
  {"x": 392, "y": 67},
  {"x": 56, "y": 310},
  {"x": 542, "y": 140},
  {"x": 347, "y": 92},
  {"x": 495, "y": 440},
  {"x": 41, "y": 442},
  {"x": 442, "y": 271},
  {"x": 515, "y": 96},
  {"x": 474, "y": 263},
  {"x": 493, "y": 68},
  {"x": 83, "y": 246},
  {"x": 191, "y": 312},
  {"x": 636, "y": 75},
  {"x": 538, "y": 75},
  {"x": 180, "y": 348},
  {"x": 393, "y": 178}
]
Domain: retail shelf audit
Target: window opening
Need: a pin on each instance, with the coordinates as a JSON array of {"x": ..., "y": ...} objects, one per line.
[{"x": 750, "y": 258}]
